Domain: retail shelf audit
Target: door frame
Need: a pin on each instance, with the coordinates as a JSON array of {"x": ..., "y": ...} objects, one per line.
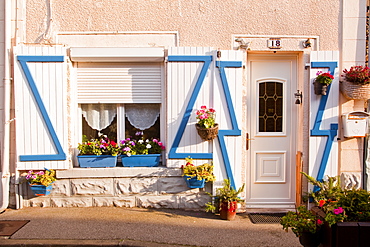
[{"x": 296, "y": 140}]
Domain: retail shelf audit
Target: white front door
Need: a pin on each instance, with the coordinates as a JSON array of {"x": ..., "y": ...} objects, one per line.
[{"x": 272, "y": 120}]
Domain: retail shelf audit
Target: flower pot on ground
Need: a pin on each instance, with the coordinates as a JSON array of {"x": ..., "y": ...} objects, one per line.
[
  {"x": 321, "y": 82},
  {"x": 197, "y": 176},
  {"x": 206, "y": 127},
  {"x": 226, "y": 200},
  {"x": 305, "y": 224},
  {"x": 356, "y": 83},
  {"x": 41, "y": 182}
]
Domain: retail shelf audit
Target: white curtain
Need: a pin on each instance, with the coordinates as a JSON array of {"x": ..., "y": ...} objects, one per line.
[
  {"x": 142, "y": 116},
  {"x": 99, "y": 116}
]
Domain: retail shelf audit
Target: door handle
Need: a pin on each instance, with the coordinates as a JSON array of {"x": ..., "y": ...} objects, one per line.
[{"x": 247, "y": 139}]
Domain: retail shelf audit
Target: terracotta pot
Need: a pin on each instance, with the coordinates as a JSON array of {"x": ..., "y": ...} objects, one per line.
[{"x": 228, "y": 210}]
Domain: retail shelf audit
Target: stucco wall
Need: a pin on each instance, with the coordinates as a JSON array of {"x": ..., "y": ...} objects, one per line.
[{"x": 201, "y": 23}]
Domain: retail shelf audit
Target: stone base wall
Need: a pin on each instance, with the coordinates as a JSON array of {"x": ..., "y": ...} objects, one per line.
[{"x": 146, "y": 190}]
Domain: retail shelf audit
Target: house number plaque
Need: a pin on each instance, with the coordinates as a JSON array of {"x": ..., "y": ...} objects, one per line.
[{"x": 274, "y": 43}]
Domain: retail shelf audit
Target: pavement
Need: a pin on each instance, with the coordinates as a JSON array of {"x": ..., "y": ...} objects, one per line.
[{"x": 114, "y": 226}]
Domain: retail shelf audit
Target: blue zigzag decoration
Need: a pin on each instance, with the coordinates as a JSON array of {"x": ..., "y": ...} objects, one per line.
[{"x": 333, "y": 131}]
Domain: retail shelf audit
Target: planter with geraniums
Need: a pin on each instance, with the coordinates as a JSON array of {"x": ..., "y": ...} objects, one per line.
[
  {"x": 206, "y": 127},
  {"x": 141, "y": 152},
  {"x": 98, "y": 153}
]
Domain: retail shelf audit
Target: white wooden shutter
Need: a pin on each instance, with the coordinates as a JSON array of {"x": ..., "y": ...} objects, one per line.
[
  {"x": 181, "y": 80},
  {"x": 34, "y": 138},
  {"x": 319, "y": 144},
  {"x": 119, "y": 82}
]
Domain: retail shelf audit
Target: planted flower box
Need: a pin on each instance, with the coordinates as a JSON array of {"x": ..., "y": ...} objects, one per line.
[
  {"x": 95, "y": 161},
  {"x": 144, "y": 160}
]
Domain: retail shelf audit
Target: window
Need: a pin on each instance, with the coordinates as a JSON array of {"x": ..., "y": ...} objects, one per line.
[{"x": 118, "y": 122}]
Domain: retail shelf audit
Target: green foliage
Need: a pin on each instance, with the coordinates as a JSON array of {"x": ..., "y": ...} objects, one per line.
[
  {"x": 204, "y": 171},
  {"x": 103, "y": 146},
  {"x": 302, "y": 220},
  {"x": 356, "y": 204},
  {"x": 324, "y": 78},
  {"x": 45, "y": 178},
  {"x": 225, "y": 194}
]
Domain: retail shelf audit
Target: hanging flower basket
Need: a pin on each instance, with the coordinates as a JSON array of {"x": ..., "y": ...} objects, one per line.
[
  {"x": 355, "y": 91},
  {"x": 319, "y": 88},
  {"x": 207, "y": 134}
]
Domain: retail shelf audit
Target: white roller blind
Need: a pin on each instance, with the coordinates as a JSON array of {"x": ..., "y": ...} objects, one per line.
[{"x": 119, "y": 82}]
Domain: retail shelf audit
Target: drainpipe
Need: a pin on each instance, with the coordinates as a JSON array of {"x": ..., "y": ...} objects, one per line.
[{"x": 5, "y": 174}]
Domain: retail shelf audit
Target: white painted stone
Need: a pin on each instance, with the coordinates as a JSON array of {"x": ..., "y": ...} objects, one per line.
[
  {"x": 193, "y": 201},
  {"x": 350, "y": 180},
  {"x": 61, "y": 188},
  {"x": 41, "y": 202},
  {"x": 136, "y": 185},
  {"x": 173, "y": 185},
  {"x": 92, "y": 186},
  {"x": 114, "y": 202},
  {"x": 71, "y": 202},
  {"x": 170, "y": 201}
]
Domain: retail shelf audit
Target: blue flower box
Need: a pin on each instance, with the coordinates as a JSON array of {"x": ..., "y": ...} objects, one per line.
[
  {"x": 93, "y": 161},
  {"x": 142, "y": 160},
  {"x": 193, "y": 182},
  {"x": 41, "y": 190}
]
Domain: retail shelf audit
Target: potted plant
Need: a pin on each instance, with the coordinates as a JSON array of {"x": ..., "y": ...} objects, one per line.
[
  {"x": 141, "y": 152},
  {"x": 98, "y": 153},
  {"x": 207, "y": 128},
  {"x": 41, "y": 181},
  {"x": 197, "y": 176},
  {"x": 322, "y": 80},
  {"x": 356, "y": 83},
  {"x": 304, "y": 224},
  {"x": 225, "y": 201}
]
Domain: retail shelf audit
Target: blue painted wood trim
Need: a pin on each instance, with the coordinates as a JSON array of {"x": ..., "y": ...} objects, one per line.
[
  {"x": 235, "y": 131},
  {"x": 39, "y": 103},
  {"x": 189, "y": 108},
  {"x": 318, "y": 120}
]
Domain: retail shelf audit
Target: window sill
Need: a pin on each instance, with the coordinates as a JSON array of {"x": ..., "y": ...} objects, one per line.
[{"x": 117, "y": 172}]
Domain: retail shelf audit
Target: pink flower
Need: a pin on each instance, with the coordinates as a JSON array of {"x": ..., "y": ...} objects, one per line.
[
  {"x": 338, "y": 210},
  {"x": 203, "y": 107}
]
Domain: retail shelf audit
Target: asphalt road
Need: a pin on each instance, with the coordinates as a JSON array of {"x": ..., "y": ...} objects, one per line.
[{"x": 112, "y": 226}]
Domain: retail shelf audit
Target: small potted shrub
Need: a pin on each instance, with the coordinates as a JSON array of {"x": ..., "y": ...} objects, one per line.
[
  {"x": 356, "y": 83},
  {"x": 226, "y": 200},
  {"x": 304, "y": 224},
  {"x": 207, "y": 128},
  {"x": 322, "y": 80},
  {"x": 41, "y": 181},
  {"x": 197, "y": 176}
]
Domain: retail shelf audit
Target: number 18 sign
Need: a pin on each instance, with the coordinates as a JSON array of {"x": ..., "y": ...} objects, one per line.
[{"x": 274, "y": 43}]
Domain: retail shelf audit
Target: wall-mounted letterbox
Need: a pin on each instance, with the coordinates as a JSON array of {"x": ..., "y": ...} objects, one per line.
[{"x": 355, "y": 124}]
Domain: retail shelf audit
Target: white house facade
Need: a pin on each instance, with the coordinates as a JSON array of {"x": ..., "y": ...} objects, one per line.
[{"x": 75, "y": 68}]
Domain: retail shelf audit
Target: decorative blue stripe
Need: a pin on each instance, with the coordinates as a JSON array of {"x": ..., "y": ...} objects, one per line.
[
  {"x": 318, "y": 120},
  {"x": 189, "y": 108},
  {"x": 44, "y": 115},
  {"x": 235, "y": 131}
]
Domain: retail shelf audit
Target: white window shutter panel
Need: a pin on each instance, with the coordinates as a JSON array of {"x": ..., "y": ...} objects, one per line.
[{"x": 41, "y": 117}]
